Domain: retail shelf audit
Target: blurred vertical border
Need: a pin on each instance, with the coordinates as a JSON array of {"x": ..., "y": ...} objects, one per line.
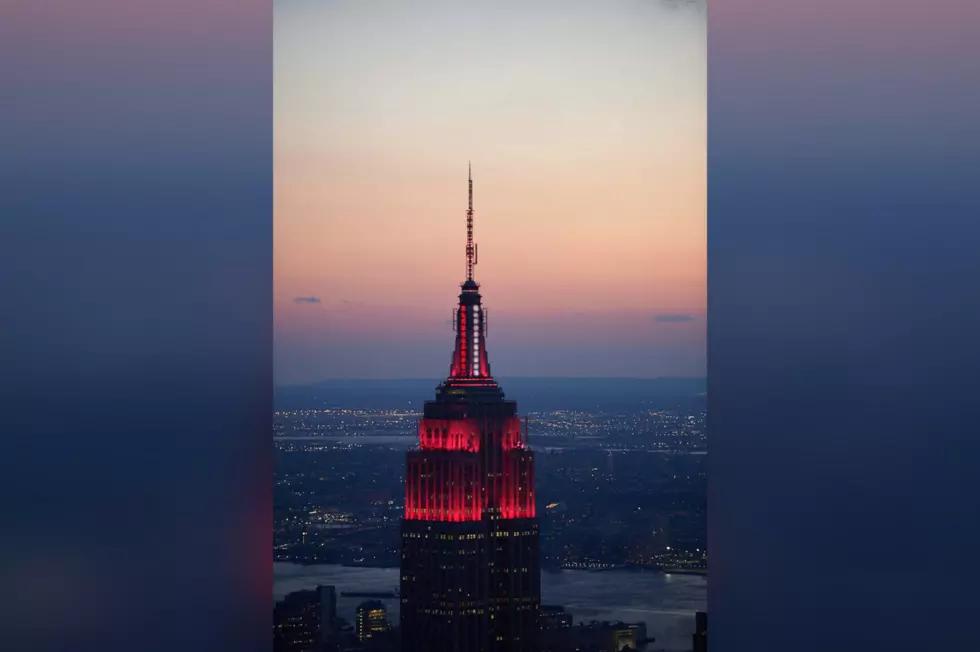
[
  {"x": 843, "y": 420},
  {"x": 136, "y": 337}
]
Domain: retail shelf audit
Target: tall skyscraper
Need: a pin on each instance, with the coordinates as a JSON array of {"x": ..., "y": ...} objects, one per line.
[{"x": 470, "y": 575}]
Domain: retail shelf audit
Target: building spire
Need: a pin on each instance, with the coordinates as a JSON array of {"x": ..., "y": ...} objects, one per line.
[
  {"x": 469, "y": 366},
  {"x": 470, "y": 247}
]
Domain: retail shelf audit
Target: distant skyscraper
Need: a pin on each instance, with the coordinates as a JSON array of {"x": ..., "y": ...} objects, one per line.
[
  {"x": 372, "y": 620},
  {"x": 328, "y": 611},
  {"x": 296, "y": 626},
  {"x": 701, "y": 632},
  {"x": 470, "y": 575},
  {"x": 305, "y": 620}
]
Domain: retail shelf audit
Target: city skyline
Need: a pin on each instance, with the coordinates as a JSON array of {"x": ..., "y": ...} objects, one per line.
[{"x": 588, "y": 154}]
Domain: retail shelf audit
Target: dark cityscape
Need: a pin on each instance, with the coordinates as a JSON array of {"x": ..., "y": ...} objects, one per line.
[
  {"x": 614, "y": 489},
  {"x": 619, "y": 489}
]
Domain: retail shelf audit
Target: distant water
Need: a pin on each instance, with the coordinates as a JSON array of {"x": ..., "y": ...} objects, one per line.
[{"x": 666, "y": 603}]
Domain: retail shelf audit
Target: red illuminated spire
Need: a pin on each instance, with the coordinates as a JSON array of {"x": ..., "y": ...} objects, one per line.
[
  {"x": 470, "y": 247},
  {"x": 469, "y": 363}
]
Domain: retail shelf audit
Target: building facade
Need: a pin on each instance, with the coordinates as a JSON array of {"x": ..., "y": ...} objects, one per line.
[
  {"x": 701, "y": 632},
  {"x": 305, "y": 621},
  {"x": 372, "y": 620},
  {"x": 470, "y": 573}
]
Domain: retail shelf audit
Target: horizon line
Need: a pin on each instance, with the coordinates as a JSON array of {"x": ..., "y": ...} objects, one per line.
[{"x": 421, "y": 378}]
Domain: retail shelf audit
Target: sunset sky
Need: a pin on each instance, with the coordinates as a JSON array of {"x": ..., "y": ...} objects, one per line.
[{"x": 585, "y": 123}]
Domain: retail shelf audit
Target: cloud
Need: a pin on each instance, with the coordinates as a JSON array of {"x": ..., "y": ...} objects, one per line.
[
  {"x": 698, "y": 5},
  {"x": 674, "y": 319},
  {"x": 307, "y": 299}
]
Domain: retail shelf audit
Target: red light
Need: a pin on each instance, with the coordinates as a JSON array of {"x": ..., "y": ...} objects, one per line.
[
  {"x": 442, "y": 490},
  {"x": 512, "y": 434},
  {"x": 514, "y": 491},
  {"x": 468, "y": 465},
  {"x": 451, "y": 487},
  {"x": 465, "y": 466},
  {"x": 449, "y": 435}
]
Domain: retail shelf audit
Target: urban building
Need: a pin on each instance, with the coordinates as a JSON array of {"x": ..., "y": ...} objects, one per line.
[
  {"x": 555, "y": 617},
  {"x": 596, "y": 637},
  {"x": 371, "y": 620},
  {"x": 701, "y": 632},
  {"x": 295, "y": 622},
  {"x": 327, "y": 598},
  {"x": 305, "y": 620},
  {"x": 470, "y": 570}
]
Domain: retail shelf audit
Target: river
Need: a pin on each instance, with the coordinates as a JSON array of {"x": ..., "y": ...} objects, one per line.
[{"x": 666, "y": 603}]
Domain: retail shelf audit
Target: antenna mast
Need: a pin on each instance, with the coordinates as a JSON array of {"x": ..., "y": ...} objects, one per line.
[{"x": 470, "y": 247}]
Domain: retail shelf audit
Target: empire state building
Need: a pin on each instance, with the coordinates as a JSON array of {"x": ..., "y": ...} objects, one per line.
[{"x": 470, "y": 574}]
